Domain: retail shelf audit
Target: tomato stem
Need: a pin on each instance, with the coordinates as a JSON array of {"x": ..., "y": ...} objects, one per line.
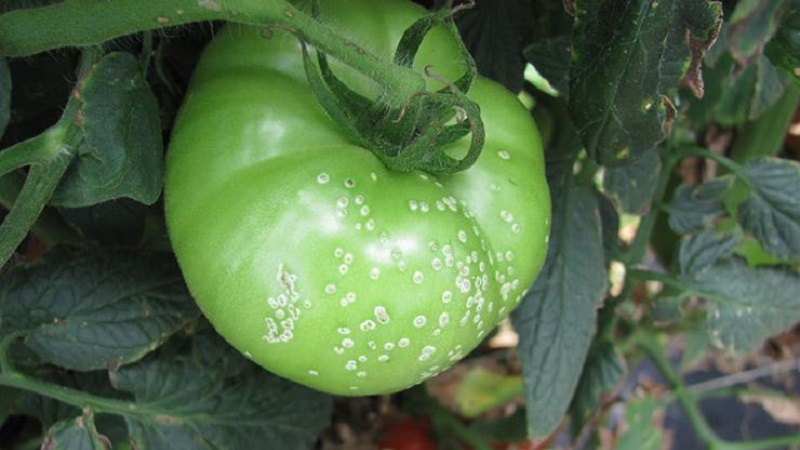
[{"x": 85, "y": 22}]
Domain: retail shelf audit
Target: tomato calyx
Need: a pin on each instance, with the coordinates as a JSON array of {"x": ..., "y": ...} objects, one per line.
[{"x": 414, "y": 136}]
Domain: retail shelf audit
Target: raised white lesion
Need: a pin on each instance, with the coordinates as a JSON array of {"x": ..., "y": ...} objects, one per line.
[{"x": 284, "y": 308}]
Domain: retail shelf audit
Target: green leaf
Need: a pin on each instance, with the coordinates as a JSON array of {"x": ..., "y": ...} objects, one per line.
[
  {"x": 752, "y": 25},
  {"x": 626, "y": 58},
  {"x": 551, "y": 58},
  {"x": 633, "y": 185},
  {"x": 94, "y": 310},
  {"x": 550, "y": 48},
  {"x": 210, "y": 350},
  {"x": 700, "y": 251},
  {"x": 493, "y": 31},
  {"x": 749, "y": 93},
  {"x": 784, "y": 49},
  {"x": 602, "y": 372},
  {"x": 695, "y": 208},
  {"x": 609, "y": 221},
  {"x": 10, "y": 5},
  {"x": 746, "y": 305},
  {"x": 188, "y": 405},
  {"x": 118, "y": 222},
  {"x": 557, "y": 320},
  {"x": 5, "y": 95},
  {"x": 79, "y": 433},
  {"x": 122, "y": 150},
  {"x": 641, "y": 433},
  {"x": 772, "y": 210}
]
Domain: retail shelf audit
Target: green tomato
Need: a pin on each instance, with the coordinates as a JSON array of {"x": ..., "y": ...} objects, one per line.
[{"x": 313, "y": 259}]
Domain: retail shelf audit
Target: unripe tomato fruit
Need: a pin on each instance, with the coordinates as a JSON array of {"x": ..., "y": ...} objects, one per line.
[{"x": 307, "y": 254}]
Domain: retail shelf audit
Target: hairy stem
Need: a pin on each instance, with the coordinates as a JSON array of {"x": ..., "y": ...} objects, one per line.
[
  {"x": 91, "y": 22},
  {"x": 73, "y": 397},
  {"x": 39, "y": 187},
  {"x": 9, "y": 377},
  {"x": 638, "y": 275},
  {"x": 49, "y": 227}
]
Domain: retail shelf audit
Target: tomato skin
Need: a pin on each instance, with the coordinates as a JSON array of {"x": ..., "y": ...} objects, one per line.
[{"x": 314, "y": 260}]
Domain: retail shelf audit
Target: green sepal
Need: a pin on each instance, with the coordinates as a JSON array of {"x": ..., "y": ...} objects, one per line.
[{"x": 414, "y": 136}]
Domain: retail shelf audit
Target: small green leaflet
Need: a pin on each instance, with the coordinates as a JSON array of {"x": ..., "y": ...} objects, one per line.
[
  {"x": 75, "y": 434},
  {"x": 627, "y": 57},
  {"x": 743, "y": 305},
  {"x": 122, "y": 153},
  {"x": 752, "y": 25},
  {"x": 94, "y": 310},
  {"x": 695, "y": 208},
  {"x": 702, "y": 250},
  {"x": 772, "y": 210},
  {"x": 784, "y": 49},
  {"x": 751, "y": 93}
]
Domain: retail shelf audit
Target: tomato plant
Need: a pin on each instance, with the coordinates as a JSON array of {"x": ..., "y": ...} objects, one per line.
[
  {"x": 354, "y": 209},
  {"x": 312, "y": 258}
]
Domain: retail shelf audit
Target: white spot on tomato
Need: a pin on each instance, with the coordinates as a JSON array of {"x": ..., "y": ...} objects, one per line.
[
  {"x": 447, "y": 296},
  {"x": 381, "y": 314}
]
